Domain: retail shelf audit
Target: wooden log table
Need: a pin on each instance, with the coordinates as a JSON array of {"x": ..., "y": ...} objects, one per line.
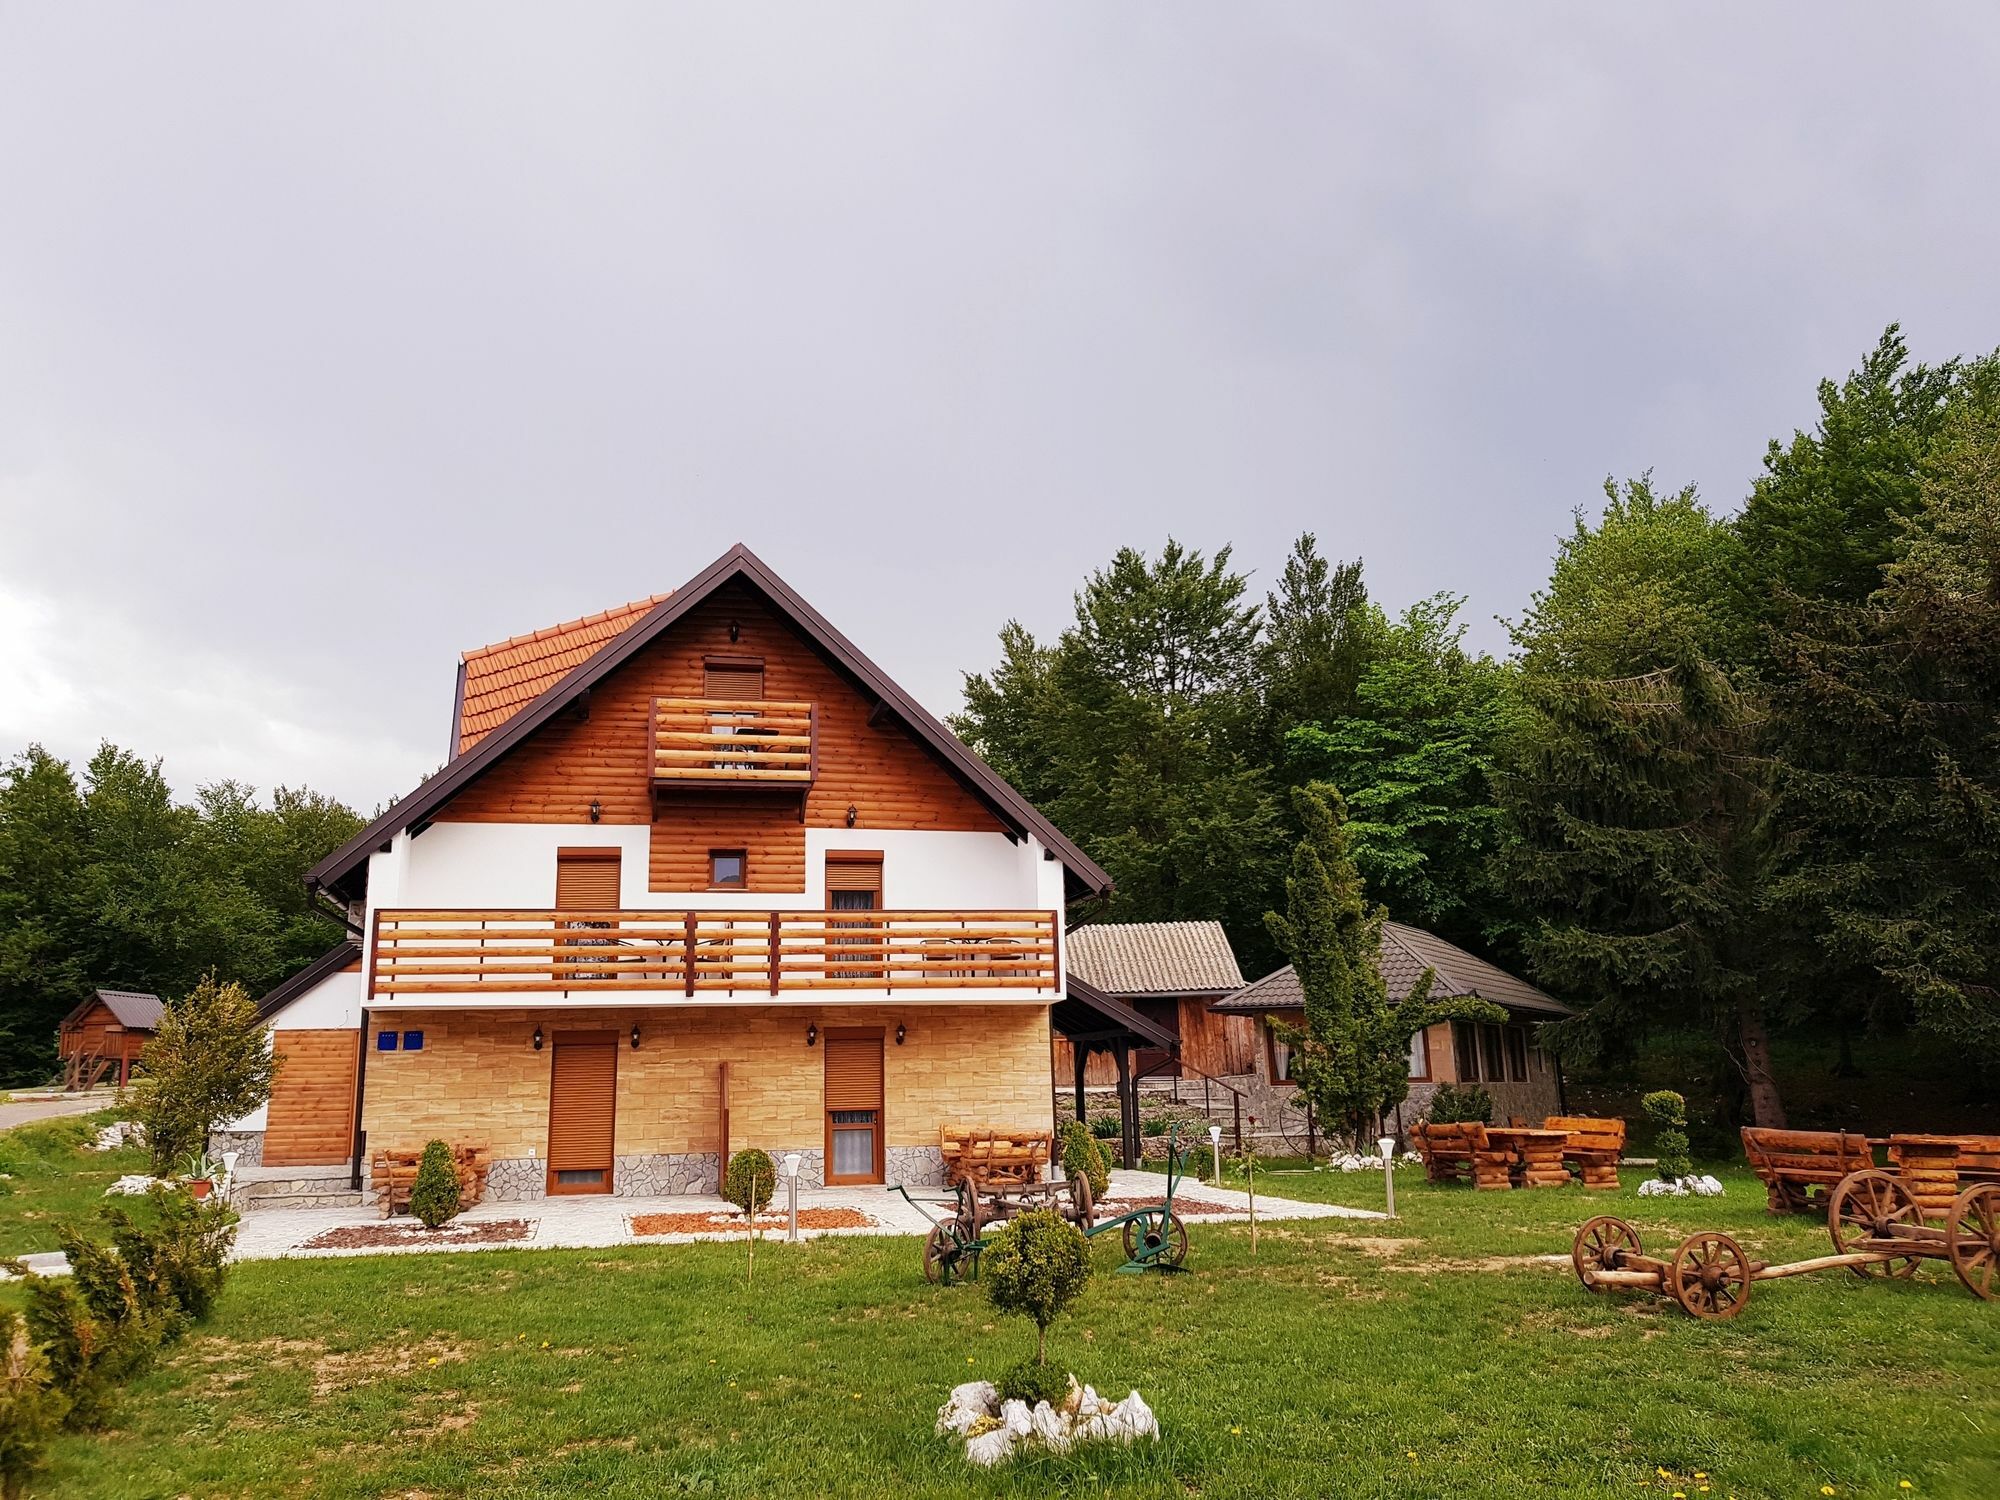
[
  {"x": 1534, "y": 1157},
  {"x": 1930, "y": 1166}
]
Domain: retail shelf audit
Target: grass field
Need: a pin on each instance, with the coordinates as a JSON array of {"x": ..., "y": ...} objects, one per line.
[
  {"x": 1423, "y": 1357},
  {"x": 45, "y": 1174}
]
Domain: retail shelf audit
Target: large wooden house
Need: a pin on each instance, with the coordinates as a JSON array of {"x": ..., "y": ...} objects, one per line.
[{"x": 698, "y": 876}]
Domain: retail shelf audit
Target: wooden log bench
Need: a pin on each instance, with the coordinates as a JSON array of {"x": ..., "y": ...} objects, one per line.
[
  {"x": 391, "y": 1175},
  {"x": 1460, "y": 1151},
  {"x": 1936, "y": 1167},
  {"x": 1594, "y": 1147},
  {"x": 990, "y": 1156},
  {"x": 1800, "y": 1168}
]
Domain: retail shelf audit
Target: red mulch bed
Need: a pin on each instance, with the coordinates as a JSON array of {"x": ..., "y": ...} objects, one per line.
[
  {"x": 391, "y": 1233},
  {"x": 725, "y": 1223},
  {"x": 1186, "y": 1208}
]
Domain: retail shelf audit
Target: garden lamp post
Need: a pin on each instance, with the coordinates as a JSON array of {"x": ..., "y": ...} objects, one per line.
[
  {"x": 791, "y": 1171},
  {"x": 1215, "y": 1150},
  {"x": 1387, "y": 1146}
]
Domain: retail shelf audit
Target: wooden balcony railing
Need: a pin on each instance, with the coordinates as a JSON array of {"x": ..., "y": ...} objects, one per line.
[
  {"x": 745, "y": 953},
  {"x": 732, "y": 742}
]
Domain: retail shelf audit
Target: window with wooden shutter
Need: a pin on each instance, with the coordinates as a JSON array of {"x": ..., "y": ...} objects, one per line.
[
  {"x": 586, "y": 881},
  {"x": 853, "y": 1106},
  {"x": 739, "y": 678},
  {"x": 854, "y": 883},
  {"x": 583, "y": 1093}
]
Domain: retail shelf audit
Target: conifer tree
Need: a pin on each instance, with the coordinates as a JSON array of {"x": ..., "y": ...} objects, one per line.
[{"x": 1351, "y": 1057}]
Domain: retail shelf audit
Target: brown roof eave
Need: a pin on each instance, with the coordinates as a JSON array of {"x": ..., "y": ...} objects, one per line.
[{"x": 335, "y": 873}]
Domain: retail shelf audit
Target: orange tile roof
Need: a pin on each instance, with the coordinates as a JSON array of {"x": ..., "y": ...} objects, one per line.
[{"x": 504, "y": 678}]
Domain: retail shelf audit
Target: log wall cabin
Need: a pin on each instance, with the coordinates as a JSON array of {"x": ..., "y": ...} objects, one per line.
[
  {"x": 100, "y": 1041},
  {"x": 698, "y": 876}
]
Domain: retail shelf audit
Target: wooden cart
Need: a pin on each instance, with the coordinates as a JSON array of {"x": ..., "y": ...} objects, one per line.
[{"x": 1877, "y": 1226}]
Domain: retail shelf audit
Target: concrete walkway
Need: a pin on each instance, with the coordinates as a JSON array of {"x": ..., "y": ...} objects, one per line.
[
  {"x": 27, "y": 1111},
  {"x": 594, "y": 1222}
]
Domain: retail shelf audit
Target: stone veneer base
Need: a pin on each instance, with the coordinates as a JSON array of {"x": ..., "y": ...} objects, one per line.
[{"x": 247, "y": 1144}]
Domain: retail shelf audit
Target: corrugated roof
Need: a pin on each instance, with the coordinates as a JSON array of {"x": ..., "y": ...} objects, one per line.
[
  {"x": 135, "y": 1009},
  {"x": 502, "y": 679},
  {"x": 1406, "y": 952},
  {"x": 1155, "y": 958}
]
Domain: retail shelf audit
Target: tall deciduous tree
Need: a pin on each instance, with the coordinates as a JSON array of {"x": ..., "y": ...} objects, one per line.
[
  {"x": 1351, "y": 1057},
  {"x": 1414, "y": 760},
  {"x": 209, "y": 1062}
]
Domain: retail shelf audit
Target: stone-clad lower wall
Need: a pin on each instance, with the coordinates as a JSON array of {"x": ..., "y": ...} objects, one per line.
[{"x": 478, "y": 1079}]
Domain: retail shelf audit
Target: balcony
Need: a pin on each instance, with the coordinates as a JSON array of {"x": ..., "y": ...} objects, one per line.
[
  {"x": 733, "y": 743},
  {"x": 744, "y": 954}
]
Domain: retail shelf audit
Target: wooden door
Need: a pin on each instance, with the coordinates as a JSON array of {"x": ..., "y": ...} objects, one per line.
[
  {"x": 583, "y": 1102},
  {"x": 854, "y": 883},
  {"x": 310, "y": 1119},
  {"x": 586, "y": 881},
  {"x": 854, "y": 1149}
]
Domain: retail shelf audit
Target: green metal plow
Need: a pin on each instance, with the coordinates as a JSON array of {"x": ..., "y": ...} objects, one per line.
[{"x": 1155, "y": 1237}]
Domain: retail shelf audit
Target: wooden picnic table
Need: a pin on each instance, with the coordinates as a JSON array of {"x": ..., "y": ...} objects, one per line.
[{"x": 1535, "y": 1155}]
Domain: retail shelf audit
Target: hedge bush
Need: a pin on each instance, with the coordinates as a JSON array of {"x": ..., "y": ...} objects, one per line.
[
  {"x": 1668, "y": 1112},
  {"x": 750, "y": 1180},
  {"x": 1083, "y": 1157},
  {"x": 1455, "y": 1104},
  {"x": 1030, "y": 1381},
  {"x": 434, "y": 1195}
]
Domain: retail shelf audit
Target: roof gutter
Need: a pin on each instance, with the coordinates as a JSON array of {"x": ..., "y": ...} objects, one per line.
[{"x": 318, "y": 900}]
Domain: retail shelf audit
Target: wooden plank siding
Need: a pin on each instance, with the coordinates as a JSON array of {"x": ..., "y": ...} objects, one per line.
[
  {"x": 310, "y": 1120},
  {"x": 1220, "y": 1046},
  {"x": 890, "y": 780}
]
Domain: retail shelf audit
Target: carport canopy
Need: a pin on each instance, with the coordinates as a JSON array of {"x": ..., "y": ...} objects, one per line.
[{"x": 1090, "y": 1020}]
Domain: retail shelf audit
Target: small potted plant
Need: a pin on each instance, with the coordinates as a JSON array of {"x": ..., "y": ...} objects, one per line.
[{"x": 198, "y": 1172}]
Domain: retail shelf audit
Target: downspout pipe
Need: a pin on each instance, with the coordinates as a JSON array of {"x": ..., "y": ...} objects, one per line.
[{"x": 321, "y": 903}]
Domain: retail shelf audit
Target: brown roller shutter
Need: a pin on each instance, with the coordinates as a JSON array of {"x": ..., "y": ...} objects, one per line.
[
  {"x": 583, "y": 1094},
  {"x": 864, "y": 874},
  {"x": 854, "y": 1127},
  {"x": 732, "y": 679},
  {"x": 587, "y": 880}
]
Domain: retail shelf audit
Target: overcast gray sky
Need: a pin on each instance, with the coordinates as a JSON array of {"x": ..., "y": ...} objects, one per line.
[{"x": 334, "y": 343}]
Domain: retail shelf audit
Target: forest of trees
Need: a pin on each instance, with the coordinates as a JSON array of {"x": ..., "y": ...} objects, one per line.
[{"x": 1738, "y": 773}]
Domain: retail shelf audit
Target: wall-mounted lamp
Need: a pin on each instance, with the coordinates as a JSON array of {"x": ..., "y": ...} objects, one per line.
[
  {"x": 812, "y": 1034},
  {"x": 735, "y": 632},
  {"x": 852, "y": 814},
  {"x": 899, "y": 1033},
  {"x": 635, "y": 1038},
  {"x": 596, "y": 809},
  {"x": 538, "y": 1038}
]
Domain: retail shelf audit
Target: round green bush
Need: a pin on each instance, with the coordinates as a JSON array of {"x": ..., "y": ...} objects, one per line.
[
  {"x": 1036, "y": 1266},
  {"x": 750, "y": 1180},
  {"x": 434, "y": 1195},
  {"x": 1031, "y": 1382},
  {"x": 1083, "y": 1157}
]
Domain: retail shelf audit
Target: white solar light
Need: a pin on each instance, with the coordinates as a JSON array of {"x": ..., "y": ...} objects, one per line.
[{"x": 1387, "y": 1146}]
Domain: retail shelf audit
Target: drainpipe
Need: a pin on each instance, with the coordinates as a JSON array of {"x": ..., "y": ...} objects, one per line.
[{"x": 360, "y": 1142}]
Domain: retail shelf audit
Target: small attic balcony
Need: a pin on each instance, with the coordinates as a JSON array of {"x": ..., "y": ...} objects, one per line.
[{"x": 733, "y": 745}]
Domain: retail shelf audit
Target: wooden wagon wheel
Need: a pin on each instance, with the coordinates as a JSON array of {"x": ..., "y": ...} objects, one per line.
[
  {"x": 1973, "y": 1238},
  {"x": 1869, "y": 1206},
  {"x": 1153, "y": 1231},
  {"x": 937, "y": 1253},
  {"x": 1083, "y": 1201},
  {"x": 1598, "y": 1246},
  {"x": 1710, "y": 1276}
]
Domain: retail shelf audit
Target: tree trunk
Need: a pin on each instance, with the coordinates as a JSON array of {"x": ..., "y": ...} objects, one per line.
[
  {"x": 1041, "y": 1345},
  {"x": 1766, "y": 1108}
]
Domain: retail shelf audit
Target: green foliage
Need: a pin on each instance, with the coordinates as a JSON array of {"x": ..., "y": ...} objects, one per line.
[
  {"x": 1455, "y": 1104},
  {"x": 434, "y": 1195},
  {"x": 1413, "y": 758},
  {"x": 208, "y": 1063},
  {"x": 106, "y": 880},
  {"x": 750, "y": 1180},
  {"x": 1137, "y": 731},
  {"x": 1668, "y": 1112},
  {"x": 1083, "y": 1157},
  {"x": 1106, "y": 1127},
  {"x": 1321, "y": 635},
  {"x": 31, "y": 1408},
  {"x": 1032, "y": 1381},
  {"x": 1351, "y": 1057},
  {"x": 1036, "y": 1266},
  {"x": 176, "y": 1261}
]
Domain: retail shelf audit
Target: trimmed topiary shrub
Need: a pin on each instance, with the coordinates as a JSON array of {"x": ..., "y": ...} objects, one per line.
[
  {"x": 434, "y": 1195},
  {"x": 1668, "y": 1112},
  {"x": 1456, "y": 1104},
  {"x": 1036, "y": 1266},
  {"x": 1083, "y": 1157},
  {"x": 750, "y": 1181},
  {"x": 1031, "y": 1382}
]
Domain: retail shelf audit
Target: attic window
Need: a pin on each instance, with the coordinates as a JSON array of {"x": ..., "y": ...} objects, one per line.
[{"x": 728, "y": 869}]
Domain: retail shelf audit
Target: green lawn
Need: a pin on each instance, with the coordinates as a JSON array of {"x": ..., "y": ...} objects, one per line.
[
  {"x": 1415, "y": 1358},
  {"x": 46, "y": 1173}
]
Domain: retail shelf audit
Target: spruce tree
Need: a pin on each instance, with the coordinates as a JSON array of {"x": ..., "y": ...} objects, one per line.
[{"x": 1351, "y": 1057}]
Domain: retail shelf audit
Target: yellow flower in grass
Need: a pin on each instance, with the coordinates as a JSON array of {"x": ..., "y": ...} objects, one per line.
[
  {"x": 1827, "y": 1489},
  {"x": 1236, "y": 1432},
  {"x": 1904, "y": 1484},
  {"x": 1680, "y": 1495}
]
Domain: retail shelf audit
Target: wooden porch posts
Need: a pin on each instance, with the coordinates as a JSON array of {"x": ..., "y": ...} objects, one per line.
[
  {"x": 1128, "y": 1106},
  {"x": 1081, "y": 1054}
]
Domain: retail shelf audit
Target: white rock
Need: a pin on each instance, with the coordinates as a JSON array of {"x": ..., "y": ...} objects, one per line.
[
  {"x": 135, "y": 1186},
  {"x": 989, "y": 1448},
  {"x": 1706, "y": 1187},
  {"x": 966, "y": 1405},
  {"x": 1050, "y": 1428},
  {"x": 1014, "y": 1417}
]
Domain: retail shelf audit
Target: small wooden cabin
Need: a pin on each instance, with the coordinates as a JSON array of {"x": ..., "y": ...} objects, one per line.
[
  {"x": 1169, "y": 972},
  {"x": 103, "y": 1037}
]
